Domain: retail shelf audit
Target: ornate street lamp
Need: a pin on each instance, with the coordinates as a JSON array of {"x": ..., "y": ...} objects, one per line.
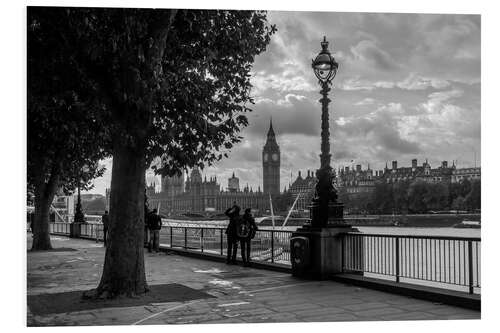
[{"x": 325, "y": 210}]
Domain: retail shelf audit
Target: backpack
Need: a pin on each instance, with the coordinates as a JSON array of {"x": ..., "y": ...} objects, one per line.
[{"x": 242, "y": 228}]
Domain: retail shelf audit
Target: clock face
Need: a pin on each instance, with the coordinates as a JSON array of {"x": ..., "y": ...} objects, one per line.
[
  {"x": 265, "y": 157},
  {"x": 275, "y": 157}
]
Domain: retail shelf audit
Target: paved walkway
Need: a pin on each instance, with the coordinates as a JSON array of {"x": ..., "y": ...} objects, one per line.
[{"x": 232, "y": 294}]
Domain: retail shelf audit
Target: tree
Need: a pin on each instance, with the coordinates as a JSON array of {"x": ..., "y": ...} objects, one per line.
[
  {"x": 417, "y": 196},
  {"x": 400, "y": 194},
  {"x": 473, "y": 198},
  {"x": 437, "y": 196},
  {"x": 63, "y": 130},
  {"x": 174, "y": 84},
  {"x": 383, "y": 199},
  {"x": 458, "y": 203}
]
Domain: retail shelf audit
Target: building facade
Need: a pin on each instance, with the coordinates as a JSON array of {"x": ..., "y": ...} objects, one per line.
[
  {"x": 205, "y": 196},
  {"x": 304, "y": 188},
  {"x": 356, "y": 181},
  {"x": 271, "y": 163},
  {"x": 459, "y": 175}
]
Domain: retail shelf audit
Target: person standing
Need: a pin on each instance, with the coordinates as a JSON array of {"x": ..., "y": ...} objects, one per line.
[
  {"x": 247, "y": 231},
  {"x": 105, "y": 224},
  {"x": 154, "y": 230},
  {"x": 232, "y": 240}
]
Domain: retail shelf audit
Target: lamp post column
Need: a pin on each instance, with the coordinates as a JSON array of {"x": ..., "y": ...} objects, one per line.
[
  {"x": 325, "y": 127},
  {"x": 316, "y": 248}
]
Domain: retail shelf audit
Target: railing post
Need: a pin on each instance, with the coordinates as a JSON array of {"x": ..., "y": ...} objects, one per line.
[
  {"x": 221, "y": 243},
  {"x": 272, "y": 246},
  {"x": 397, "y": 259},
  {"x": 185, "y": 238},
  {"x": 471, "y": 274},
  {"x": 342, "y": 252},
  {"x": 201, "y": 240},
  {"x": 171, "y": 237}
]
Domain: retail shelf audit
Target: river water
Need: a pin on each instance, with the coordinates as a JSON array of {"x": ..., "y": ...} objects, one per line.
[{"x": 412, "y": 231}]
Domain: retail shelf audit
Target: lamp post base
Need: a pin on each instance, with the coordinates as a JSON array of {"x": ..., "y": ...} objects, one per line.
[
  {"x": 317, "y": 246},
  {"x": 330, "y": 216},
  {"x": 74, "y": 230}
]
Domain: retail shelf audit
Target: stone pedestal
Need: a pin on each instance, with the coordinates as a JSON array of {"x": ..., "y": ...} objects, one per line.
[
  {"x": 74, "y": 230},
  {"x": 325, "y": 251}
]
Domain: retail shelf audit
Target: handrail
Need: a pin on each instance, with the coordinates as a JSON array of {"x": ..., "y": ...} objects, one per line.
[{"x": 473, "y": 239}]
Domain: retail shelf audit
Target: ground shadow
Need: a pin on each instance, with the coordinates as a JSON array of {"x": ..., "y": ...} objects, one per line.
[
  {"x": 72, "y": 301},
  {"x": 58, "y": 249}
]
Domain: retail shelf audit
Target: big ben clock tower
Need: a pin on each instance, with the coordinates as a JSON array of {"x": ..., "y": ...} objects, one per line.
[{"x": 271, "y": 163}]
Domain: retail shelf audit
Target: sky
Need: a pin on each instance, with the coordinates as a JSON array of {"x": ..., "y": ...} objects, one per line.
[{"x": 408, "y": 86}]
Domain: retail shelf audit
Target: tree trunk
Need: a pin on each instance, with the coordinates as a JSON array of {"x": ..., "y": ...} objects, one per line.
[
  {"x": 44, "y": 195},
  {"x": 123, "y": 272}
]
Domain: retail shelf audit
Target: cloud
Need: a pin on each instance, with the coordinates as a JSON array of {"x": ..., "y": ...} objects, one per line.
[
  {"x": 417, "y": 82},
  {"x": 380, "y": 129},
  {"x": 368, "y": 51},
  {"x": 366, "y": 101},
  {"x": 292, "y": 114}
]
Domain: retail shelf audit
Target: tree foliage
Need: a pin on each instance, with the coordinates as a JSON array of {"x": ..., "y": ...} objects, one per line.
[
  {"x": 173, "y": 84},
  {"x": 415, "y": 197},
  {"x": 63, "y": 118}
]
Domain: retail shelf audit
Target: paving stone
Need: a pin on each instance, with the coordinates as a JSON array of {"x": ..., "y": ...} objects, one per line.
[
  {"x": 320, "y": 311},
  {"x": 336, "y": 317},
  {"x": 293, "y": 307},
  {"x": 414, "y": 315},
  {"x": 364, "y": 306},
  {"x": 378, "y": 312}
]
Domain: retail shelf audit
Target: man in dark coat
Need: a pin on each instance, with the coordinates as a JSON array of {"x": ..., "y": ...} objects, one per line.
[
  {"x": 232, "y": 240},
  {"x": 154, "y": 230},
  {"x": 105, "y": 224},
  {"x": 249, "y": 221}
]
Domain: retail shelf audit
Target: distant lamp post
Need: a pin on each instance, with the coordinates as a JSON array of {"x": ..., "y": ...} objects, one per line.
[
  {"x": 79, "y": 216},
  {"x": 325, "y": 210}
]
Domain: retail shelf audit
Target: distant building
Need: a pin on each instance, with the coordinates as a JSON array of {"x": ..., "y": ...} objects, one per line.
[
  {"x": 356, "y": 181},
  {"x": 459, "y": 175},
  {"x": 304, "y": 187},
  {"x": 271, "y": 163},
  {"x": 441, "y": 174},
  {"x": 233, "y": 184},
  {"x": 205, "y": 195},
  {"x": 173, "y": 185}
]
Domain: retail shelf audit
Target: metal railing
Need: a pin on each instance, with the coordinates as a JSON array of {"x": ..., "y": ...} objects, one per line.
[
  {"x": 272, "y": 246},
  {"x": 438, "y": 261},
  {"x": 59, "y": 228}
]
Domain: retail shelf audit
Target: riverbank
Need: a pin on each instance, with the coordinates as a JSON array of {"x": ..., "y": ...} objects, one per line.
[{"x": 414, "y": 220}]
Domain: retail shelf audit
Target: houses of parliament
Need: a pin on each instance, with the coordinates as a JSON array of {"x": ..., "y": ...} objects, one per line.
[{"x": 197, "y": 194}]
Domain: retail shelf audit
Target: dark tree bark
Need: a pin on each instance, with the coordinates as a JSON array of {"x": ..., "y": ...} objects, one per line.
[
  {"x": 44, "y": 195},
  {"x": 40, "y": 227},
  {"x": 123, "y": 271}
]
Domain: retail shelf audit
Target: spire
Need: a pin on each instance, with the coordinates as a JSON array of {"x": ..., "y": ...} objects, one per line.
[
  {"x": 233, "y": 174},
  {"x": 270, "y": 132}
]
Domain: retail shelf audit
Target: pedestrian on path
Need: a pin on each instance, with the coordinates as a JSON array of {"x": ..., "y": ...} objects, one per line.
[
  {"x": 105, "y": 223},
  {"x": 246, "y": 232},
  {"x": 154, "y": 230},
  {"x": 232, "y": 240}
]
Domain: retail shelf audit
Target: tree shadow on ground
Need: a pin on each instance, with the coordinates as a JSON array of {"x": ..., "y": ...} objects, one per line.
[{"x": 72, "y": 301}]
